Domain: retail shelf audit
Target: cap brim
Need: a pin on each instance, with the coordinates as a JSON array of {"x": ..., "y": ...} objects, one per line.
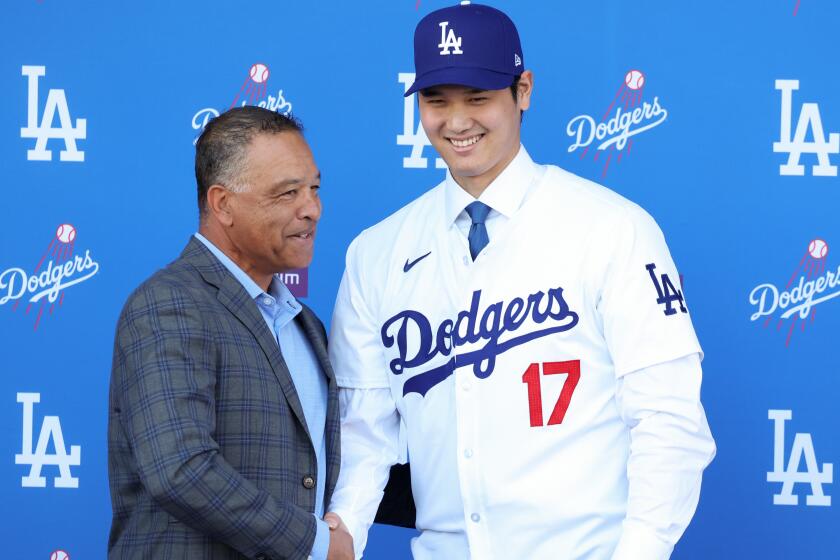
[{"x": 478, "y": 78}]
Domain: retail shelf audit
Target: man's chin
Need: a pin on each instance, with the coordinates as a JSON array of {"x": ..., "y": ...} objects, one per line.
[
  {"x": 295, "y": 264},
  {"x": 467, "y": 172}
]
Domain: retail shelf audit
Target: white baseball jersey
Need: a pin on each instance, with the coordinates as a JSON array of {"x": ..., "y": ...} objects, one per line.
[{"x": 504, "y": 375}]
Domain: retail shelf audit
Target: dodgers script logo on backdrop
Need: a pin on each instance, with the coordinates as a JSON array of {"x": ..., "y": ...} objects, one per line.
[
  {"x": 809, "y": 121},
  {"x": 803, "y": 448},
  {"x": 57, "y": 270},
  {"x": 622, "y": 120},
  {"x": 413, "y": 134},
  {"x": 811, "y": 284},
  {"x": 44, "y": 131},
  {"x": 494, "y": 327},
  {"x": 251, "y": 92},
  {"x": 37, "y": 459}
]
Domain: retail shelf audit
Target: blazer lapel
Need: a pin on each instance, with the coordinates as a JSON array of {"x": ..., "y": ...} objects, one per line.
[
  {"x": 314, "y": 332},
  {"x": 234, "y": 297}
]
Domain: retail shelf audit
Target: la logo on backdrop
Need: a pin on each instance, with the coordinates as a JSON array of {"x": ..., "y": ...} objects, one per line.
[
  {"x": 44, "y": 131},
  {"x": 790, "y": 475},
  {"x": 413, "y": 134},
  {"x": 254, "y": 91},
  {"x": 627, "y": 115},
  {"x": 40, "y": 456},
  {"x": 808, "y": 123},
  {"x": 812, "y": 283},
  {"x": 42, "y": 291}
]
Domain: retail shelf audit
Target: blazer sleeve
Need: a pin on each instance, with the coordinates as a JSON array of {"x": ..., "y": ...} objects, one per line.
[{"x": 164, "y": 376}]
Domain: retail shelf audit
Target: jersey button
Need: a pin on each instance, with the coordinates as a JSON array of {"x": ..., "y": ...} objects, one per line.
[
  {"x": 468, "y": 453},
  {"x": 475, "y": 517},
  {"x": 466, "y": 260},
  {"x": 466, "y": 385}
]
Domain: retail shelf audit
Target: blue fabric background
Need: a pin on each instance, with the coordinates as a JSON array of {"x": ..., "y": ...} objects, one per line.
[{"x": 139, "y": 73}]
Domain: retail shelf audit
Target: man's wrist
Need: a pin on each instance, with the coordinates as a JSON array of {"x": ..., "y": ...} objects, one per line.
[{"x": 638, "y": 542}]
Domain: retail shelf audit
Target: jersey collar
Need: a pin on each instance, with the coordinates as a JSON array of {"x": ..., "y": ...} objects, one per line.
[{"x": 504, "y": 195}]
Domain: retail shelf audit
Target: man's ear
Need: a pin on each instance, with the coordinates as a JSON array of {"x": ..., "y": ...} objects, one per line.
[
  {"x": 524, "y": 89},
  {"x": 218, "y": 204}
]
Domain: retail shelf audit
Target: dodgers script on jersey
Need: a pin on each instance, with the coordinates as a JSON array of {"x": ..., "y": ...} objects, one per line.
[{"x": 504, "y": 370}]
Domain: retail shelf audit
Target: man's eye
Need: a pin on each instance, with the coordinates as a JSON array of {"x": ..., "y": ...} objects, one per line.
[{"x": 479, "y": 99}]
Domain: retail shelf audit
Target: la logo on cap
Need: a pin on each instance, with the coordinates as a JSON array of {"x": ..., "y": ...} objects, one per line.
[{"x": 449, "y": 41}]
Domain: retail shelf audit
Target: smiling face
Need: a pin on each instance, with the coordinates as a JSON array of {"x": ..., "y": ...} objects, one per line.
[
  {"x": 270, "y": 224},
  {"x": 475, "y": 131}
]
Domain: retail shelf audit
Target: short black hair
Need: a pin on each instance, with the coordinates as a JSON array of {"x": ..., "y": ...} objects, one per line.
[
  {"x": 514, "y": 90},
  {"x": 220, "y": 150},
  {"x": 514, "y": 87}
]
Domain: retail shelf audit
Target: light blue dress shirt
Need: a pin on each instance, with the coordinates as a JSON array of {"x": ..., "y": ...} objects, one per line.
[{"x": 279, "y": 307}]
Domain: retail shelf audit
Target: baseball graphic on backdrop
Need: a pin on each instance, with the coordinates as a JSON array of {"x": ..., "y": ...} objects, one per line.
[
  {"x": 634, "y": 79},
  {"x": 259, "y": 73},
  {"x": 65, "y": 233},
  {"x": 59, "y": 555},
  {"x": 818, "y": 249}
]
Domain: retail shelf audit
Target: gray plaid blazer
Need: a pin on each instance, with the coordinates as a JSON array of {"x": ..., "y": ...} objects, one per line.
[{"x": 209, "y": 456}]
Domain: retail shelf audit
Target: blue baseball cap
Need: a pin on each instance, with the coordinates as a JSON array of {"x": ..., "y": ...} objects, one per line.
[{"x": 467, "y": 45}]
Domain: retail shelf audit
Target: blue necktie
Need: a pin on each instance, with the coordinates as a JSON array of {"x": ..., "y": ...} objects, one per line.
[{"x": 478, "y": 231}]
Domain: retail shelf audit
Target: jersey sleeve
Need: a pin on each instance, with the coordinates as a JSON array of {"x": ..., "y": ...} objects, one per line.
[
  {"x": 370, "y": 445},
  {"x": 646, "y": 320},
  {"x": 355, "y": 348}
]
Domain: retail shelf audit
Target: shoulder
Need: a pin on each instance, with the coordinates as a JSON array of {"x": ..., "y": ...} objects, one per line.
[
  {"x": 176, "y": 287},
  {"x": 409, "y": 226},
  {"x": 601, "y": 207}
]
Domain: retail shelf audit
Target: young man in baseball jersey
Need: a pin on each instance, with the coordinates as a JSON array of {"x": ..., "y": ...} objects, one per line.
[{"x": 519, "y": 330}]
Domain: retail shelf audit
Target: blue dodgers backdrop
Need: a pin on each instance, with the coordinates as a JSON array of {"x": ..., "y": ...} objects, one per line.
[{"x": 720, "y": 118}]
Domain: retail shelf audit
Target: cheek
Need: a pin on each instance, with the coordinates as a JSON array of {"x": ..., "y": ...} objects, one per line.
[{"x": 431, "y": 124}]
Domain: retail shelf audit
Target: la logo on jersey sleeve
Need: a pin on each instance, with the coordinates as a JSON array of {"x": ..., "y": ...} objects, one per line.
[{"x": 667, "y": 295}]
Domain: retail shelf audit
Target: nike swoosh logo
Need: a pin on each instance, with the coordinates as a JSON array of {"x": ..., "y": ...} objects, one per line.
[{"x": 409, "y": 265}]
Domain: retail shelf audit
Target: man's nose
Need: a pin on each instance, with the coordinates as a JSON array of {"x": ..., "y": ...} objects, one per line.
[
  {"x": 310, "y": 205},
  {"x": 458, "y": 120}
]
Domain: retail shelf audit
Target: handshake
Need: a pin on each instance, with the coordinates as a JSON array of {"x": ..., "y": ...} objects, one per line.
[{"x": 341, "y": 542}]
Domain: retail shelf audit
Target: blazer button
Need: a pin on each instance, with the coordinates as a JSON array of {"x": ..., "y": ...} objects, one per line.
[
  {"x": 261, "y": 557},
  {"x": 309, "y": 482}
]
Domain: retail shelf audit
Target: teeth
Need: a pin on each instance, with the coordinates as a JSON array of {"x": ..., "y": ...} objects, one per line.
[{"x": 467, "y": 142}]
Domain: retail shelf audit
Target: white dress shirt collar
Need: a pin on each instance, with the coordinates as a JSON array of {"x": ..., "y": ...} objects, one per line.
[{"x": 504, "y": 195}]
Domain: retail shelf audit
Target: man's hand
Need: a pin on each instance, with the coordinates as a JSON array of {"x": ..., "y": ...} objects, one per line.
[{"x": 341, "y": 543}]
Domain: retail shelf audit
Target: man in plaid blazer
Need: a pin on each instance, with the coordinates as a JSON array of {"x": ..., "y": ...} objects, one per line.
[{"x": 223, "y": 432}]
